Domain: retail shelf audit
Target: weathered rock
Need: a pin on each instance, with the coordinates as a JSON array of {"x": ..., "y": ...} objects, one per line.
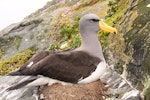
[
  {"x": 130, "y": 53},
  {"x": 135, "y": 25},
  {"x": 137, "y": 29},
  {"x": 20, "y": 94}
]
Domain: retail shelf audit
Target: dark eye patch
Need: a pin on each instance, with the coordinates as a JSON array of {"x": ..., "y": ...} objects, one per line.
[{"x": 95, "y": 20}]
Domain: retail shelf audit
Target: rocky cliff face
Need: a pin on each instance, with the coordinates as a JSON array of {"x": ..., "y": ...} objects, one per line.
[
  {"x": 133, "y": 55},
  {"x": 127, "y": 52},
  {"x": 136, "y": 29}
]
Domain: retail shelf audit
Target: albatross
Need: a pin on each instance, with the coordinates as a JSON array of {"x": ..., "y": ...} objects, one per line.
[{"x": 78, "y": 66}]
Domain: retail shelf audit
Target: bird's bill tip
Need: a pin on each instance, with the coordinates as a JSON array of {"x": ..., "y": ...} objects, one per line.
[{"x": 103, "y": 26}]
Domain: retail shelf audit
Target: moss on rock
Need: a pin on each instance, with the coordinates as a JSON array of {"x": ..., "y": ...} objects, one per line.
[{"x": 15, "y": 61}]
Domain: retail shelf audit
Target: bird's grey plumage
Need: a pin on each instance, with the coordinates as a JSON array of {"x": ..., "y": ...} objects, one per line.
[{"x": 89, "y": 27}]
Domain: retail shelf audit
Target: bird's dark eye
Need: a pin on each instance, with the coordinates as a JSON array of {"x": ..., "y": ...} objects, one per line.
[{"x": 94, "y": 20}]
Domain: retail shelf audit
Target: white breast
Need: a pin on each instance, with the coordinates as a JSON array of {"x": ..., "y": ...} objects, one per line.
[{"x": 100, "y": 70}]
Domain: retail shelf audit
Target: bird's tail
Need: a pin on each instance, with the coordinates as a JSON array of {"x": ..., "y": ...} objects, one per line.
[
  {"x": 14, "y": 73},
  {"x": 23, "y": 83},
  {"x": 31, "y": 81}
]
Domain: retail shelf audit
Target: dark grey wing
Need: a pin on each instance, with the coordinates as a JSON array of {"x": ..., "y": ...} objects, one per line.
[{"x": 67, "y": 66}]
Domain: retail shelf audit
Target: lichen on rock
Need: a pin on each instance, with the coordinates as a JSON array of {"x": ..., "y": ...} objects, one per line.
[{"x": 135, "y": 27}]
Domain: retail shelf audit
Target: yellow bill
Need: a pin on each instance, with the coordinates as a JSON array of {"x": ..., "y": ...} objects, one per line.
[{"x": 103, "y": 26}]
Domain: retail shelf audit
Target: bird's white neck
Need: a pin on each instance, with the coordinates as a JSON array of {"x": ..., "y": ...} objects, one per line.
[{"x": 91, "y": 44}]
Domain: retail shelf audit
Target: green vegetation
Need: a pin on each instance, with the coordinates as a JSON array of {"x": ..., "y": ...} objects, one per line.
[
  {"x": 68, "y": 27},
  {"x": 15, "y": 61},
  {"x": 116, "y": 8},
  {"x": 146, "y": 90},
  {"x": 103, "y": 36},
  {"x": 54, "y": 46},
  {"x": 113, "y": 6},
  {"x": 68, "y": 33}
]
